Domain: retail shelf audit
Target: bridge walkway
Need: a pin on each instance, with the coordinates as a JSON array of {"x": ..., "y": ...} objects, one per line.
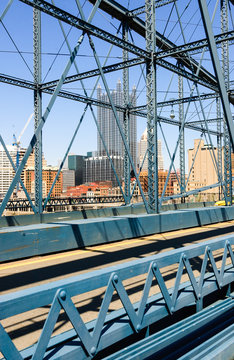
[{"x": 25, "y": 328}]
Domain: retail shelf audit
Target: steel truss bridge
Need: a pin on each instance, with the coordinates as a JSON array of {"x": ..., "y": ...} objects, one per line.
[
  {"x": 147, "y": 50},
  {"x": 21, "y": 204},
  {"x": 178, "y": 54}
]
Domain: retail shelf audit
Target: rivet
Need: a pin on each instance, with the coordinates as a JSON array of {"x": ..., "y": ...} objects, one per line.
[
  {"x": 63, "y": 295},
  {"x": 116, "y": 278},
  {"x": 138, "y": 327},
  {"x": 184, "y": 257},
  {"x": 93, "y": 350},
  {"x": 155, "y": 266}
]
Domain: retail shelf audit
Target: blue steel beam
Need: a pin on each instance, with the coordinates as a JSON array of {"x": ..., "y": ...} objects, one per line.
[
  {"x": 6, "y": 9},
  {"x": 178, "y": 334},
  {"x": 78, "y": 126},
  {"x": 120, "y": 12},
  {"x": 217, "y": 69},
  {"x": 73, "y": 96},
  {"x": 85, "y": 26},
  {"x": 117, "y": 120},
  {"x": 14, "y": 167},
  {"x": 42, "y": 122},
  {"x": 108, "y": 329},
  {"x": 102, "y": 34}
]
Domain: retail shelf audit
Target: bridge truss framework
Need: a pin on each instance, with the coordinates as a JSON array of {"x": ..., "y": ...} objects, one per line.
[{"x": 142, "y": 45}]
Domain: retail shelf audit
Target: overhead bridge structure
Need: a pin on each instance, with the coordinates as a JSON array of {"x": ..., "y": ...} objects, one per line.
[{"x": 179, "y": 57}]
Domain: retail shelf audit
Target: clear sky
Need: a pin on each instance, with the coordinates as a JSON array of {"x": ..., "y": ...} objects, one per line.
[{"x": 16, "y": 59}]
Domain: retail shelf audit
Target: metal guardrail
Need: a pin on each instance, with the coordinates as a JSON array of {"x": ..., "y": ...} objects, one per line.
[
  {"x": 86, "y": 340},
  {"x": 15, "y": 204}
]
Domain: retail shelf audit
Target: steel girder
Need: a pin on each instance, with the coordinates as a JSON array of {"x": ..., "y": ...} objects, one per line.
[
  {"x": 37, "y": 107},
  {"x": 76, "y": 97},
  {"x": 138, "y": 61},
  {"x": 202, "y": 78},
  {"x": 217, "y": 69},
  {"x": 151, "y": 97},
  {"x": 138, "y": 25}
]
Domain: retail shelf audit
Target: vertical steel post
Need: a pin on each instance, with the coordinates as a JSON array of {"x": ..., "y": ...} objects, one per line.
[
  {"x": 152, "y": 147},
  {"x": 126, "y": 116},
  {"x": 225, "y": 69},
  {"x": 37, "y": 108},
  {"x": 182, "y": 152},
  {"x": 219, "y": 144}
]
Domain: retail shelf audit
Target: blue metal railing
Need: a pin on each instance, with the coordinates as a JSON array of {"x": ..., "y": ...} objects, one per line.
[{"x": 87, "y": 339}]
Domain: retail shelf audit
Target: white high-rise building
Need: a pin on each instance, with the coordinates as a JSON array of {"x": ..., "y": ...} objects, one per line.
[
  {"x": 6, "y": 170},
  {"x": 142, "y": 147}
]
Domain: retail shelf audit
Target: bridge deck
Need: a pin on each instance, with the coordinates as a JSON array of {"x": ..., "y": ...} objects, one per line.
[
  {"x": 18, "y": 275},
  {"x": 25, "y": 241}
]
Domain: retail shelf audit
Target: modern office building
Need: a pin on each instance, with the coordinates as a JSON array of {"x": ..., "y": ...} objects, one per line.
[
  {"x": 76, "y": 163},
  {"x": 142, "y": 147},
  {"x": 109, "y": 128},
  {"x": 68, "y": 179},
  {"x": 99, "y": 169},
  {"x": 7, "y": 172}
]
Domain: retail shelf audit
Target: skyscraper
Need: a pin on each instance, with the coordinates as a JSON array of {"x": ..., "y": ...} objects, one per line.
[
  {"x": 109, "y": 128},
  {"x": 98, "y": 167},
  {"x": 142, "y": 147}
]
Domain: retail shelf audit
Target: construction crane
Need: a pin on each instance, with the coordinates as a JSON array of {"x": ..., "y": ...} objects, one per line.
[{"x": 17, "y": 144}]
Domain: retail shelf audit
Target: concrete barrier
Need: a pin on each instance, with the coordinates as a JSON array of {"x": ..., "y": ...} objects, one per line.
[{"x": 24, "y": 241}]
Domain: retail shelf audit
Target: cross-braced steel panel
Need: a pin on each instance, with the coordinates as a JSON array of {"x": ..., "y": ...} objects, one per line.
[{"x": 168, "y": 50}]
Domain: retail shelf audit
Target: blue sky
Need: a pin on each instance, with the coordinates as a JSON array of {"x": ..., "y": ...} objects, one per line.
[{"x": 17, "y": 103}]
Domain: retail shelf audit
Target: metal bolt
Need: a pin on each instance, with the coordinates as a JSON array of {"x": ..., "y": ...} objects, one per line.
[
  {"x": 138, "y": 327},
  {"x": 93, "y": 350},
  {"x": 155, "y": 266},
  {"x": 116, "y": 278},
  {"x": 227, "y": 242},
  {"x": 208, "y": 248},
  {"x": 184, "y": 256},
  {"x": 63, "y": 295}
]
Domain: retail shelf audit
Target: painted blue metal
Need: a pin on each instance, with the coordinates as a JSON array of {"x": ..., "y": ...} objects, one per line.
[
  {"x": 22, "y": 220},
  {"x": 175, "y": 335},
  {"x": 217, "y": 68},
  {"x": 86, "y": 340},
  {"x": 25, "y": 241}
]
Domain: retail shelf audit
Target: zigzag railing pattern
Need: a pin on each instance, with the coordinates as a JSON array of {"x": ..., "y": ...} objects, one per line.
[{"x": 87, "y": 339}]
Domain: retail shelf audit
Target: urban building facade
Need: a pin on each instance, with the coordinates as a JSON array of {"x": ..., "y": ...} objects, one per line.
[
  {"x": 109, "y": 128},
  {"x": 48, "y": 176},
  {"x": 7, "y": 172},
  {"x": 203, "y": 171},
  {"x": 76, "y": 163},
  {"x": 68, "y": 178},
  {"x": 162, "y": 175},
  {"x": 100, "y": 169},
  {"x": 142, "y": 148}
]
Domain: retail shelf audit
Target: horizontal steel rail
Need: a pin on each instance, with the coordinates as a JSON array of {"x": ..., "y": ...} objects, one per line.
[
  {"x": 86, "y": 340},
  {"x": 87, "y": 100},
  {"x": 15, "y": 204},
  {"x": 175, "y": 335}
]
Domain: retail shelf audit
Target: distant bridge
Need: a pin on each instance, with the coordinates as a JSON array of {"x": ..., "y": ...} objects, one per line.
[{"x": 24, "y": 204}]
